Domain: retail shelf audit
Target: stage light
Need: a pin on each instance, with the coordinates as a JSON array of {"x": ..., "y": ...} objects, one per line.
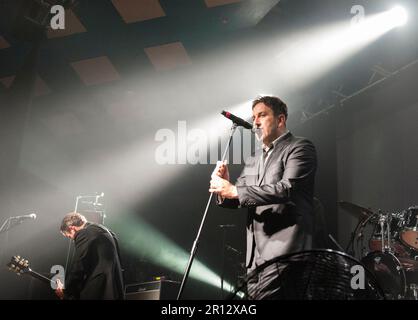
[
  {"x": 398, "y": 15},
  {"x": 312, "y": 53}
]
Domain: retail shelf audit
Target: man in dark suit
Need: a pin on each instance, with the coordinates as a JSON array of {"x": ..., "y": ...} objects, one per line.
[
  {"x": 277, "y": 187},
  {"x": 96, "y": 272}
]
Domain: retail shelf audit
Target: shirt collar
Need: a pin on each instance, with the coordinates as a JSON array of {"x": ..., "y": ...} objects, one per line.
[{"x": 275, "y": 142}]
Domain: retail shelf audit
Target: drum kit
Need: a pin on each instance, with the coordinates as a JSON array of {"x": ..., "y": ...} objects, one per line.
[{"x": 391, "y": 250}]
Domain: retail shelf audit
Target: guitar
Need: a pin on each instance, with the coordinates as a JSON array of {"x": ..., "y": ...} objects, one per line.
[{"x": 20, "y": 266}]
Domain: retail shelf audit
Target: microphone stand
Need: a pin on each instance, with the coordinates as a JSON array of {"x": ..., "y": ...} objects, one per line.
[
  {"x": 223, "y": 262},
  {"x": 5, "y": 228},
  {"x": 69, "y": 240},
  {"x": 196, "y": 242}
]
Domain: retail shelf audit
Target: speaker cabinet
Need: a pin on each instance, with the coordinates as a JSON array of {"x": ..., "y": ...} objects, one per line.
[{"x": 154, "y": 290}]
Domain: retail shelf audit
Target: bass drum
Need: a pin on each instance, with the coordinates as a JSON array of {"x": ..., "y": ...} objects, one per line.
[{"x": 389, "y": 273}]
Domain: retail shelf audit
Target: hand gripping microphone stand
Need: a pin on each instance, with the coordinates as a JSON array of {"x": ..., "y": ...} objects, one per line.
[{"x": 196, "y": 242}]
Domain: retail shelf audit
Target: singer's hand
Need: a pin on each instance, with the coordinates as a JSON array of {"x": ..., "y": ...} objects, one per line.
[
  {"x": 223, "y": 188},
  {"x": 221, "y": 170}
]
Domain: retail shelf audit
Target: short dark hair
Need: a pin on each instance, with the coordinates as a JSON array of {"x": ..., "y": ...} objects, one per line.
[
  {"x": 72, "y": 219},
  {"x": 274, "y": 103}
]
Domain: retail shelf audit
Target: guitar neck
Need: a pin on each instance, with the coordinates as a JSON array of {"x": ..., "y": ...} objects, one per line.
[{"x": 39, "y": 276}]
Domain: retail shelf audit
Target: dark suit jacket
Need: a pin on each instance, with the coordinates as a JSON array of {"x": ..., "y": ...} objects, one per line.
[
  {"x": 96, "y": 271},
  {"x": 279, "y": 200}
]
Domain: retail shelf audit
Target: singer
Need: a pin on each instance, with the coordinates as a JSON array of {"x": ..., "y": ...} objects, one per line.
[
  {"x": 96, "y": 272},
  {"x": 277, "y": 187}
]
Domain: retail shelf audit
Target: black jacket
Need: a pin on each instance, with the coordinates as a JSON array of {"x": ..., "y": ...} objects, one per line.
[
  {"x": 96, "y": 271},
  {"x": 279, "y": 200}
]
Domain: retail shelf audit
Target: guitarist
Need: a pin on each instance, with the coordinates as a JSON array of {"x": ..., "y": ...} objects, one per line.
[{"x": 96, "y": 272}]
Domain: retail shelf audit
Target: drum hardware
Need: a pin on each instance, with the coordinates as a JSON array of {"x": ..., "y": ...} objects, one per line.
[
  {"x": 413, "y": 288},
  {"x": 409, "y": 234},
  {"x": 384, "y": 221},
  {"x": 384, "y": 264},
  {"x": 361, "y": 229},
  {"x": 385, "y": 236},
  {"x": 363, "y": 215},
  {"x": 393, "y": 245}
]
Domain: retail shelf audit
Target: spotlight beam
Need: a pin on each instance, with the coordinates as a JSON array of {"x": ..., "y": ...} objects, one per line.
[{"x": 143, "y": 240}]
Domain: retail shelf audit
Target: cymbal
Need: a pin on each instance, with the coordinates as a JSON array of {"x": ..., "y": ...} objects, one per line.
[{"x": 355, "y": 210}]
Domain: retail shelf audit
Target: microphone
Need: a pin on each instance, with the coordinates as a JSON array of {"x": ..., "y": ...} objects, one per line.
[
  {"x": 238, "y": 121},
  {"x": 26, "y": 216},
  {"x": 227, "y": 226}
]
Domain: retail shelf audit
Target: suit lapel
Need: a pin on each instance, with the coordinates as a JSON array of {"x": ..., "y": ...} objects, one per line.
[{"x": 260, "y": 169}]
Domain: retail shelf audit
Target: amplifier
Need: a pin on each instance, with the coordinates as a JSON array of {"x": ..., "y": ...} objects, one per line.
[
  {"x": 154, "y": 290},
  {"x": 94, "y": 216}
]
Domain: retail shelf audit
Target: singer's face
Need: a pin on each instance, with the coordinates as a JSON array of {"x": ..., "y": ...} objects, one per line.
[{"x": 271, "y": 126}]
